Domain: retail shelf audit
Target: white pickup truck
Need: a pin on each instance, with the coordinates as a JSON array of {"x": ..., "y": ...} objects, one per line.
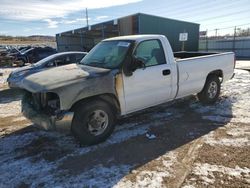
[{"x": 120, "y": 76}]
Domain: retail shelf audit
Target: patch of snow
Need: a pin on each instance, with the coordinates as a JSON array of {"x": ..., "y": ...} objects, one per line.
[
  {"x": 188, "y": 186},
  {"x": 16, "y": 168},
  {"x": 235, "y": 142},
  {"x": 5, "y": 72},
  {"x": 127, "y": 131},
  {"x": 233, "y": 107},
  {"x": 22, "y": 170},
  {"x": 150, "y": 136},
  {"x": 153, "y": 178},
  {"x": 21, "y": 118},
  {"x": 11, "y": 151},
  {"x": 206, "y": 172},
  {"x": 242, "y": 65},
  {"x": 239, "y": 131},
  {"x": 240, "y": 135},
  {"x": 10, "y": 143},
  {"x": 10, "y": 109},
  {"x": 234, "y": 102}
]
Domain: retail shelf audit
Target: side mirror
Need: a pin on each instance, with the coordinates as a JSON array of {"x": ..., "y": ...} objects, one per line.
[
  {"x": 136, "y": 63},
  {"x": 140, "y": 62}
]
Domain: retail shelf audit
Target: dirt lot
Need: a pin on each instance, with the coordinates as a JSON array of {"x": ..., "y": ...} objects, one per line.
[{"x": 179, "y": 144}]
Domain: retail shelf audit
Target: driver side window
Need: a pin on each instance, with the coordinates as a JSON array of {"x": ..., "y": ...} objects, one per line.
[{"x": 151, "y": 52}]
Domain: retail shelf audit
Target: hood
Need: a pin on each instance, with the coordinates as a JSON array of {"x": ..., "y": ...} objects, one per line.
[{"x": 60, "y": 76}]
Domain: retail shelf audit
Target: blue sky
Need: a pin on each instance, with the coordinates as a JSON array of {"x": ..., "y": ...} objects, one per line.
[{"x": 48, "y": 17}]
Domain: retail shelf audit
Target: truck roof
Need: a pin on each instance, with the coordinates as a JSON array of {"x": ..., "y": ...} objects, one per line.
[{"x": 134, "y": 37}]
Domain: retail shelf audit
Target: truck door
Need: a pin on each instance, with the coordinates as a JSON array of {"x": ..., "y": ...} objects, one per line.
[{"x": 151, "y": 85}]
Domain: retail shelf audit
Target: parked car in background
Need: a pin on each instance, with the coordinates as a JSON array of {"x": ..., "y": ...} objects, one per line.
[
  {"x": 9, "y": 55},
  {"x": 54, "y": 60},
  {"x": 33, "y": 55},
  {"x": 13, "y": 52}
]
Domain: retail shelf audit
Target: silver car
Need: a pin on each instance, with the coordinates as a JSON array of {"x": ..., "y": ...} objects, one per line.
[{"x": 58, "y": 59}]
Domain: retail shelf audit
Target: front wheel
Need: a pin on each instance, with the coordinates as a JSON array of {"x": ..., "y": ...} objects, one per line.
[
  {"x": 93, "y": 122},
  {"x": 211, "y": 90}
]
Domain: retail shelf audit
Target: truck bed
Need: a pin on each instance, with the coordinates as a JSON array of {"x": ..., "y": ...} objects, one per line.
[
  {"x": 184, "y": 55},
  {"x": 194, "y": 70}
]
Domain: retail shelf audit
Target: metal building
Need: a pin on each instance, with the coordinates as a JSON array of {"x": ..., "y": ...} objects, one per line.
[{"x": 85, "y": 38}]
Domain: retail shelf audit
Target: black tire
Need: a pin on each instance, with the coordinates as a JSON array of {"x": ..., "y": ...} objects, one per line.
[
  {"x": 211, "y": 90},
  {"x": 82, "y": 118}
]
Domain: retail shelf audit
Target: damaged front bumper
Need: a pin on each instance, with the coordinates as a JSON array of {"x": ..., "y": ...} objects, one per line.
[{"x": 59, "y": 122}]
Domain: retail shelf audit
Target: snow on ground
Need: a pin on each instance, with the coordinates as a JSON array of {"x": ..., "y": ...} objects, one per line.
[
  {"x": 234, "y": 111},
  {"x": 17, "y": 167},
  {"x": 243, "y": 65},
  {"x": 234, "y": 104},
  {"x": 152, "y": 177},
  {"x": 235, "y": 142},
  {"x": 234, "y": 108},
  {"x": 25, "y": 159},
  {"x": 4, "y": 73},
  {"x": 207, "y": 172},
  {"x": 10, "y": 109}
]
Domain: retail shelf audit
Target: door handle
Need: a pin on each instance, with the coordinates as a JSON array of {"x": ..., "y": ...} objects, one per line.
[{"x": 166, "y": 72}]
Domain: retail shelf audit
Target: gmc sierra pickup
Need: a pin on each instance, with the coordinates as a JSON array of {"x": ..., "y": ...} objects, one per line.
[{"x": 119, "y": 76}]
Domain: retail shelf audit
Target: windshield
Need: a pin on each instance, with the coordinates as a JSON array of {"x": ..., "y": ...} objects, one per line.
[{"x": 107, "y": 54}]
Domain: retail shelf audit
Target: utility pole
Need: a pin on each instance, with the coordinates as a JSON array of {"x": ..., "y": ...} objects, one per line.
[
  {"x": 87, "y": 17},
  {"x": 206, "y": 41},
  {"x": 216, "y": 30},
  {"x": 234, "y": 38}
]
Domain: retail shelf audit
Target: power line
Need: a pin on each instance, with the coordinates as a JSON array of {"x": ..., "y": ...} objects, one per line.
[
  {"x": 182, "y": 9},
  {"x": 204, "y": 11},
  {"x": 227, "y": 21},
  {"x": 229, "y": 27},
  {"x": 223, "y": 15},
  {"x": 181, "y": 12}
]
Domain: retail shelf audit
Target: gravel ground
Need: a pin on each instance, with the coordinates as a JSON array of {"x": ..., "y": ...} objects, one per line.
[{"x": 179, "y": 144}]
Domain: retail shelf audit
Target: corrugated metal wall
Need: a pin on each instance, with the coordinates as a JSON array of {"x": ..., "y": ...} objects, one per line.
[
  {"x": 84, "y": 38},
  {"x": 241, "y": 46},
  {"x": 171, "y": 29},
  {"x": 125, "y": 26}
]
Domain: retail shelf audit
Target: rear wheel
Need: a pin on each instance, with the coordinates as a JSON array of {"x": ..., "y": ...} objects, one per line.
[
  {"x": 211, "y": 90},
  {"x": 93, "y": 122}
]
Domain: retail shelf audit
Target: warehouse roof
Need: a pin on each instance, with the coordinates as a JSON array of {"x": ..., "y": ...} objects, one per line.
[{"x": 136, "y": 14}]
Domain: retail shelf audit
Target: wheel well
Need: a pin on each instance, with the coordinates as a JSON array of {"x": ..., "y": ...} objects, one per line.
[
  {"x": 218, "y": 73},
  {"x": 108, "y": 98}
]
